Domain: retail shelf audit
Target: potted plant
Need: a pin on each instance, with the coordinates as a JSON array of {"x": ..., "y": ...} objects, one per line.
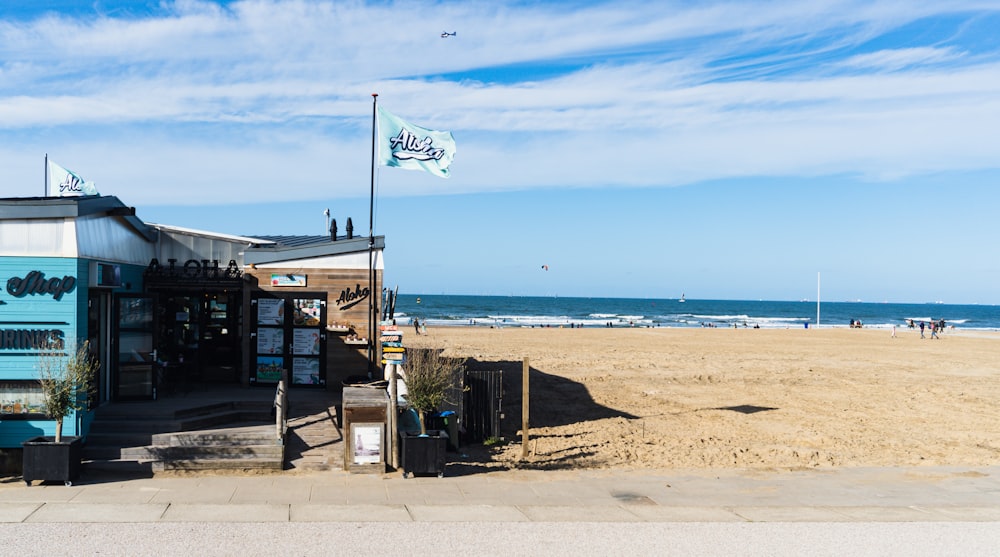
[
  {"x": 430, "y": 377},
  {"x": 66, "y": 383}
]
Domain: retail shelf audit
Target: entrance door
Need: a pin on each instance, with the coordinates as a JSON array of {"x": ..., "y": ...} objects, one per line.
[
  {"x": 97, "y": 334},
  {"x": 198, "y": 337},
  {"x": 220, "y": 340},
  {"x": 135, "y": 361}
]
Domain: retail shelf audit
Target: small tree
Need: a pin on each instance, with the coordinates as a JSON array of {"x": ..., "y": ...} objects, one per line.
[
  {"x": 429, "y": 379},
  {"x": 66, "y": 383}
]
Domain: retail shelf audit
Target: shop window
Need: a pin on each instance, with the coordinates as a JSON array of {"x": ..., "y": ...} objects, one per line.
[{"x": 21, "y": 400}]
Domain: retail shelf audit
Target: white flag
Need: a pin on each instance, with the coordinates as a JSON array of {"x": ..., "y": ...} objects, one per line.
[
  {"x": 405, "y": 145},
  {"x": 64, "y": 183}
]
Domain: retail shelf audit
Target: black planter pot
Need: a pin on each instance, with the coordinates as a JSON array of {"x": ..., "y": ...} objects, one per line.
[
  {"x": 423, "y": 455},
  {"x": 46, "y": 460}
]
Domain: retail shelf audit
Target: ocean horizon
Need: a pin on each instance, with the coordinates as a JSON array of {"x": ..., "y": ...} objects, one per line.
[{"x": 552, "y": 311}]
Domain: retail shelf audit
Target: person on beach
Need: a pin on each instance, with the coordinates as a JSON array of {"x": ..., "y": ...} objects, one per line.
[
  {"x": 934, "y": 330},
  {"x": 416, "y": 325},
  {"x": 922, "y": 330}
]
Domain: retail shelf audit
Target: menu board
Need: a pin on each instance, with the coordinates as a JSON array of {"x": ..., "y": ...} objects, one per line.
[
  {"x": 270, "y": 340},
  {"x": 289, "y": 337},
  {"x": 305, "y": 342},
  {"x": 270, "y": 311},
  {"x": 305, "y": 371}
]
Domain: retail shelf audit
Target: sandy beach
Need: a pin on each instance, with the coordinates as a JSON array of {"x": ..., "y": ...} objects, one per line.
[{"x": 740, "y": 398}]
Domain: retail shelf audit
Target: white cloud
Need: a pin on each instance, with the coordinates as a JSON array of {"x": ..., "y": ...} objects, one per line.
[
  {"x": 897, "y": 59},
  {"x": 212, "y": 102}
]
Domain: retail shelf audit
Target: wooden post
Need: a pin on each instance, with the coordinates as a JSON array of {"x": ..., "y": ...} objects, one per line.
[
  {"x": 281, "y": 406},
  {"x": 392, "y": 435},
  {"x": 525, "y": 391}
]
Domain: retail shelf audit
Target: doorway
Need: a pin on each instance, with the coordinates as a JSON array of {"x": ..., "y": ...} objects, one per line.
[
  {"x": 133, "y": 341},
  {"x": 98, "y": 334},
  {"x": 199, "y": 336}
]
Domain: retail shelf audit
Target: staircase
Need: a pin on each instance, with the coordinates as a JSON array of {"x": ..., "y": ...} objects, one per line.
[{"x": 231, "y": 435}]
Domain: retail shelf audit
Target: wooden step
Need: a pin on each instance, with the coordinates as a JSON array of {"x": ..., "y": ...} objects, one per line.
[
  {"x": 249, "y": 435},
  {"x": 219, "y": 464},
  {"x": 154, "y": 453}
]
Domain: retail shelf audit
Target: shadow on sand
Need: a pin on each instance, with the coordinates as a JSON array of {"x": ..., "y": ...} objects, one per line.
[{"x": 554, "y": 401}]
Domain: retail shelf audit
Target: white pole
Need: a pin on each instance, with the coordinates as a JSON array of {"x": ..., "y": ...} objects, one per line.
[{"x": 817, "y": 299}]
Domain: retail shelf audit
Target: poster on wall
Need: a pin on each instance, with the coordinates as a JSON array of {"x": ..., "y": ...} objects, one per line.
[
  {"x": 270, "y": 340},
  {"x": 367, "y": 441},
  {"x": 305, "y": 371},
  {"x": 269, "y": 369},
  {"x": 270, "y": 311},
  {"x": 305, "y": 342},
  {"x": 279, "y": 279}
]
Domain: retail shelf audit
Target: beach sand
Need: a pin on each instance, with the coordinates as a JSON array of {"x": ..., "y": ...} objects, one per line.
[{"x": 673, "y": 398}]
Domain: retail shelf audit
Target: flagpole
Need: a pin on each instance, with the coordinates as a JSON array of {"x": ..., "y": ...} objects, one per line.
[
  {"x": 45, "y": 186},
  {"x": 371, "y": 249}
]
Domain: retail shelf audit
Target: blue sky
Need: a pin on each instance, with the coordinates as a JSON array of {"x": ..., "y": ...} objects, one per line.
[{"x": 719, "y": 149}]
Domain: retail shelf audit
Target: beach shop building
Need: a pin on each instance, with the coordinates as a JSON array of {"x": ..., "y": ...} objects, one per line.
[{"x": 165, "y": 306}]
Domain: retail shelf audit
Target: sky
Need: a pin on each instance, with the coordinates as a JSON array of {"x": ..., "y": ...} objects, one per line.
[{"x": 723, "y": 150}]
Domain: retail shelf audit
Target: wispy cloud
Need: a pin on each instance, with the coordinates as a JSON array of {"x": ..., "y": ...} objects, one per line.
[
  {"x": 897, "y": 59},
  {"x": 220, "y": 99}
]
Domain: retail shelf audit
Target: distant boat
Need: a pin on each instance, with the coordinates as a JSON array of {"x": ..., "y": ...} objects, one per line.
[{"x": 682, "y": 298}]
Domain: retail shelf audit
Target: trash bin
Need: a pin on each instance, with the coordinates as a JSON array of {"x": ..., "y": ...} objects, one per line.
[{"x": 446, "y": 421}]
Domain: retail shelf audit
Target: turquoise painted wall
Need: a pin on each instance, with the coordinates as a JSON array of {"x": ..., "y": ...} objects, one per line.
[{"x": 55, "y": 309}]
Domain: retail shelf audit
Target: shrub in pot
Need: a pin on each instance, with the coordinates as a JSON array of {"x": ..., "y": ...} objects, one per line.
[
  {"x": 66, "y": 382},
  {"x": 430, "y": 377}
]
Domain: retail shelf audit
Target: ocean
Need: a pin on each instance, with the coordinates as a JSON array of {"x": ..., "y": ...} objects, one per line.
[{"x": 537, "y": 311}]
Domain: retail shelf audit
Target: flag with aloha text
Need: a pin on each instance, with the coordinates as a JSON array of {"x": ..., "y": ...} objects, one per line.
[
  {"x": 63, "y": 183},
  {"x": 405, "y": 145}
]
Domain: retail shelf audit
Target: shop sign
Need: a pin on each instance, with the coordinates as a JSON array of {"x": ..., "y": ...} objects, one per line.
[
  {"x": 287, "y": 280},
  {"x": 193, "y": 269},
  {"x": 350, "y": 298},
  {"x": 32, "y": 339},
  {"x": 35, "y": 283}
]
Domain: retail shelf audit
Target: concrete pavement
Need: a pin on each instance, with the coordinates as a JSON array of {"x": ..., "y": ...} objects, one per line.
[{"x": 917, "y": 494}]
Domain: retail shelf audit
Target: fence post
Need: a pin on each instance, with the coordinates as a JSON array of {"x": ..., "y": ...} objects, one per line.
[{"x": 525, "y": 391}]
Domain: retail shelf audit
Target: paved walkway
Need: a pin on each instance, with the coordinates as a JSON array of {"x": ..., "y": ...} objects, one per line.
[{"x": 921, "y": 494}]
